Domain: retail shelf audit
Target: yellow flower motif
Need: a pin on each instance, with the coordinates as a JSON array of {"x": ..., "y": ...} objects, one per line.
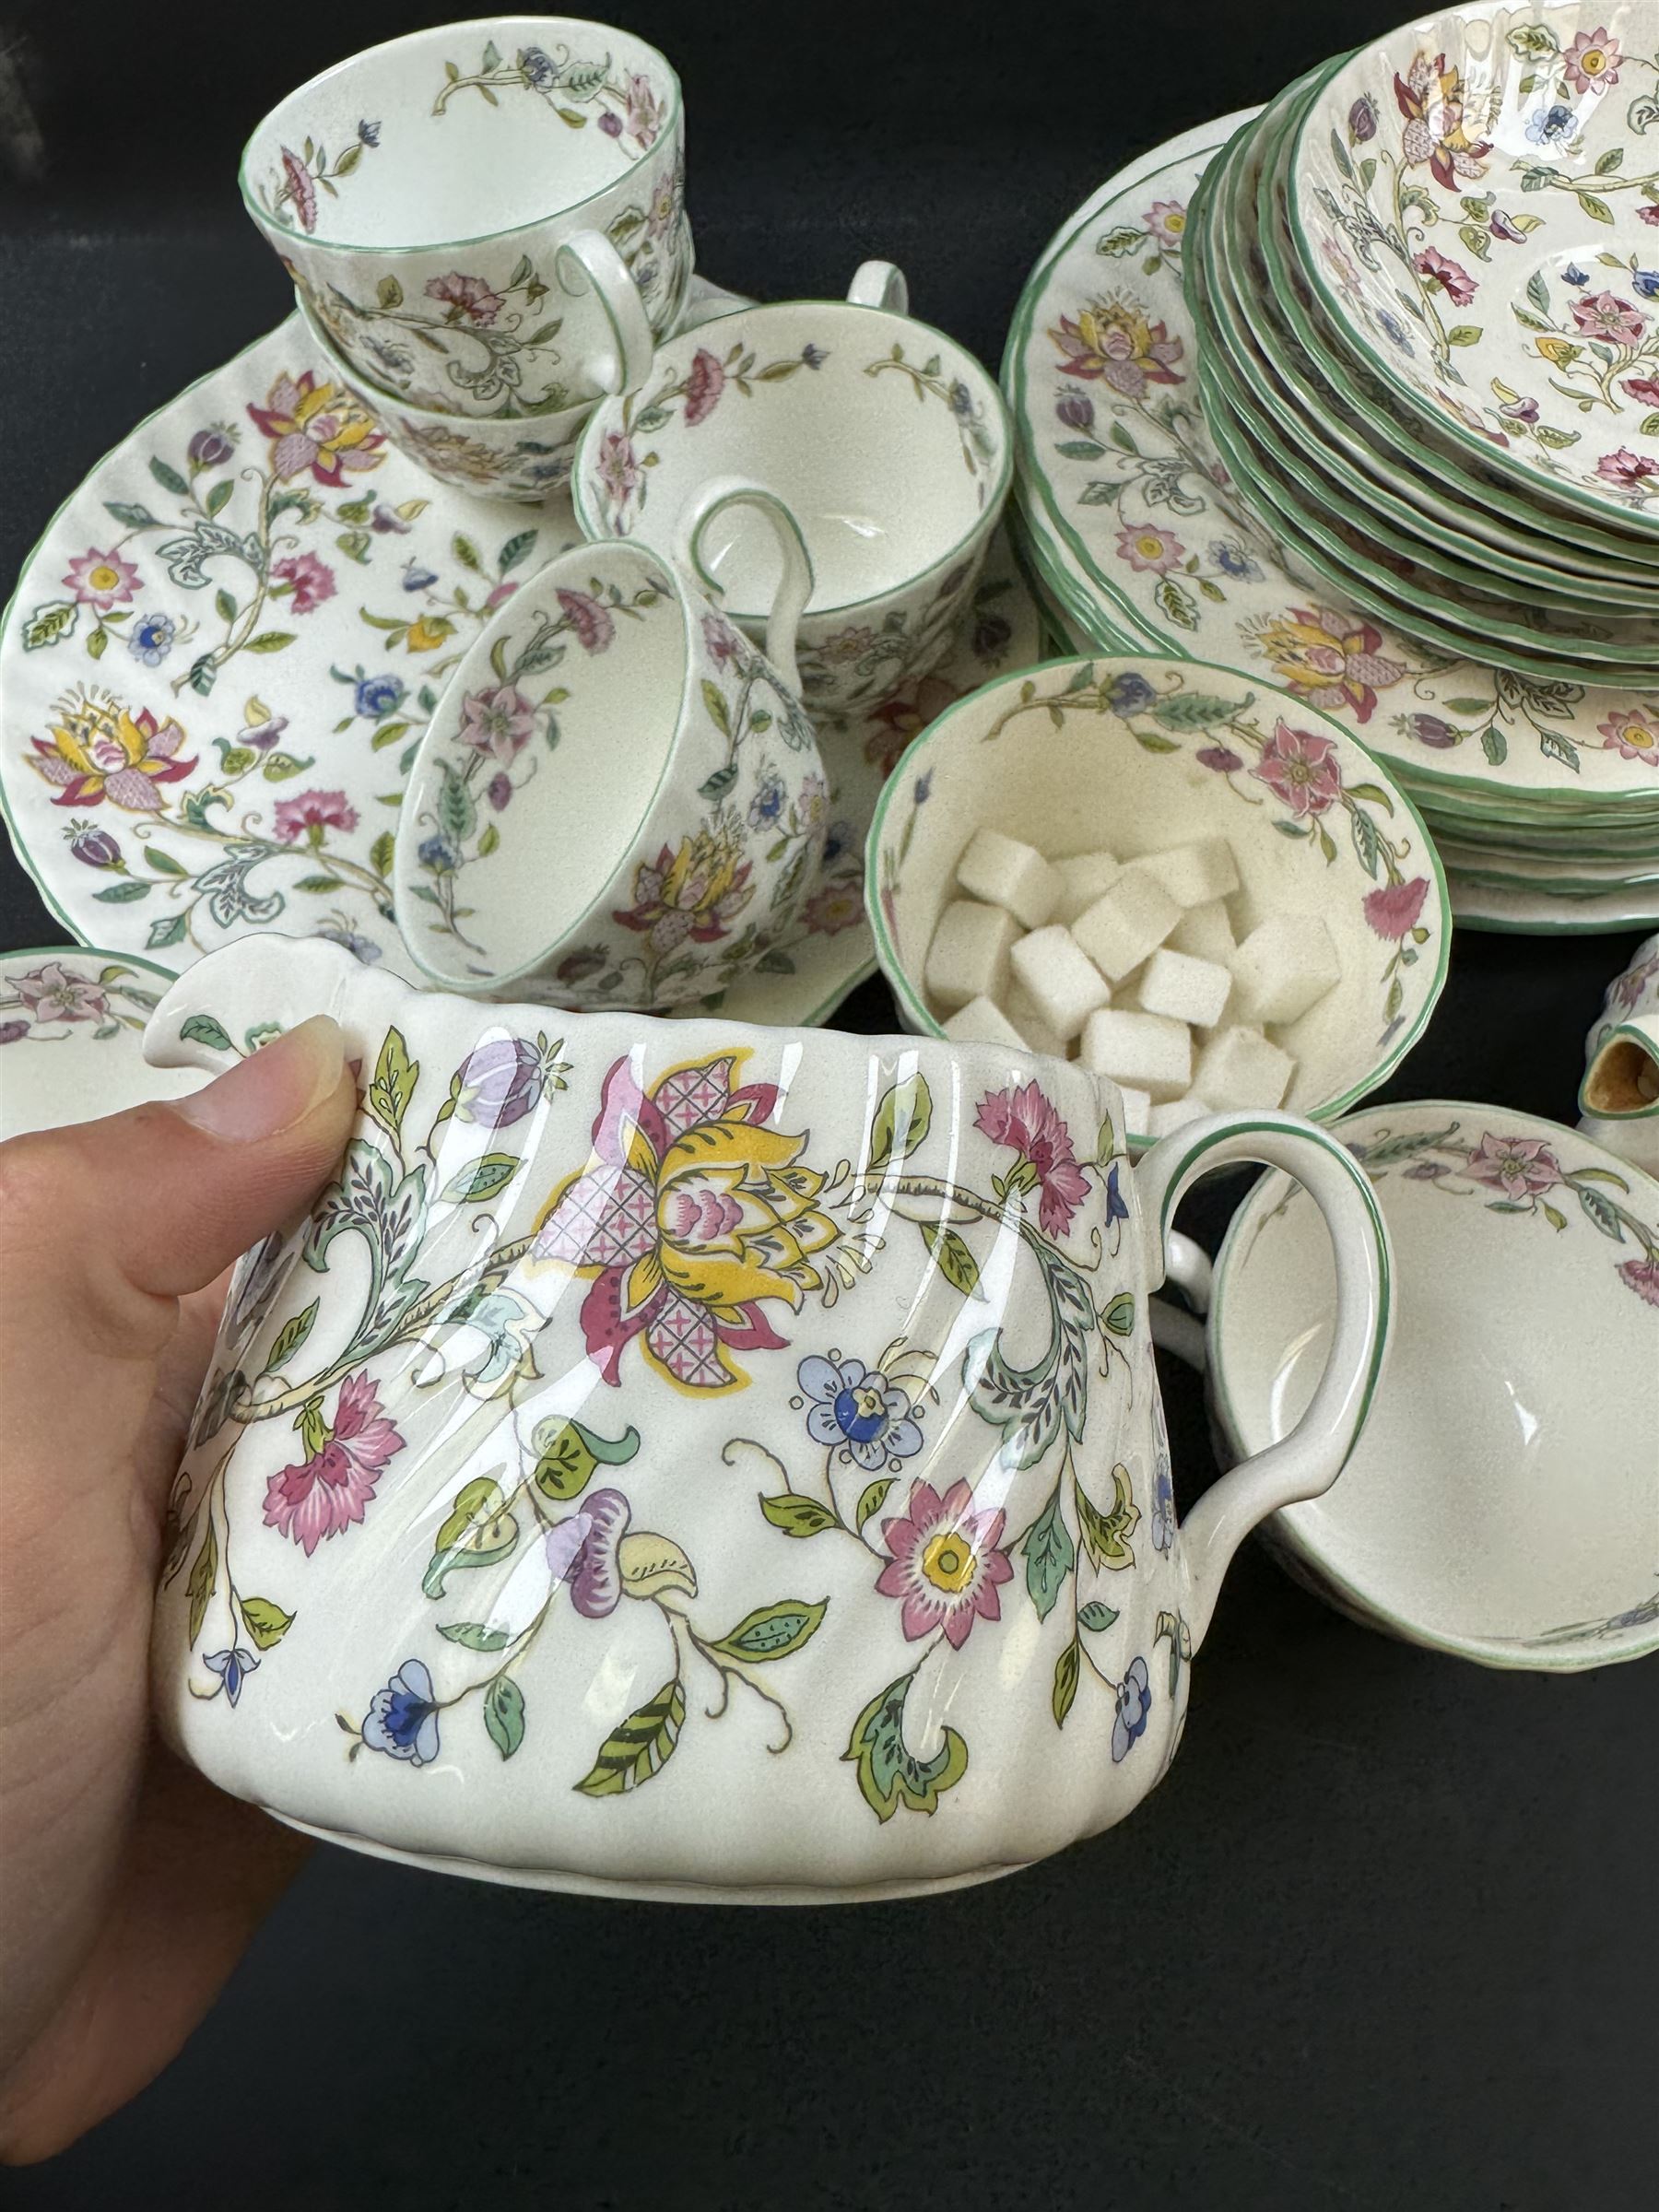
[
  {"x": 323, "y": 428},
  {"x": 1113, "y": 342},
  {"x": 692, "y": 894},
  {"x": 102, "y": 750},
  {"x": 427, "y": 633},
  {"x": 1558, "y": 350}
]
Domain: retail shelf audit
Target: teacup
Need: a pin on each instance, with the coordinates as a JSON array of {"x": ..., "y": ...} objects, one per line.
[
  {"x": 886, "y": 441},
  {"x": 488, "y": 218},
  {"x": 688, "y": 1460},
  {"x": 619, "y": 801}
]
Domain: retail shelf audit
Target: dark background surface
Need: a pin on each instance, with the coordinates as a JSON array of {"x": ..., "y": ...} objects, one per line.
[{"x": 1386, "y": 1936}]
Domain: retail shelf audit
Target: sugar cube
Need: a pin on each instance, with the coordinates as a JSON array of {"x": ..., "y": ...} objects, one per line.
[
  {"x": 1125, "y": 923},
  {"x": 1205, "y": 932},
  {"x": 1284, "y": 966},
  {"x": 1007, "y": 874},
  {"x": 1137, "y": 1109},
  {"x": 1185, "y": 989},
  {"x": 1175, "y": 1113},
  {"x": 1241, "y": 1068},
  {"x": 1060, "y": 980},
  {"x": 1153, "y": 1053},
  {"x": 1084, "y": 878},
  {"x": 1194, "y": 874},
  {"x": 982, "y": 1022},
  {"x": 1040, "y": 1034},
  {"x": 969, "y": 956}
]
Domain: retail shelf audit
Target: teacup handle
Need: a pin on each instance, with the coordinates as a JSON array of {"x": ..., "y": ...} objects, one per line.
[
  {"x": 588, "y": 261},
  {"x": 794, "y": 585},
  {"x": 880, "y": 284},
  {"x": 1310, "y": 1459}
]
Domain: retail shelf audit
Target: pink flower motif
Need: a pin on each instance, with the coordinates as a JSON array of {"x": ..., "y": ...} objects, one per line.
[
  {"x": 644, "y": 110},
  {"x": 53, "y": 994},
  {"x": 101, "y": 580},
  {"x": 1028, "y": 1124},
  {"x": 1624, "y": 469},
  {"x": 1393, "y": 908},
  {"x": 946, "y": 1565},
  {"x": 498, "y": 723},
  {"x": 101, "y": 750},
  {"x": 1453, "y": 279},
  {"x": 1606, "y": 315},
  {"x": 498, "y": 791},
  {"x": 300, "y": 189},
  {"x": 328, "y": 1491},
  {"x": 1642, "y": 1277},
  {"x": 703, "y": 386},
  {"x": 618, "y": 468},
  {"x": 1591, "y": 63},
  {"x": 1633, "y": 734},
  {"x": 1644, "y": 390},
  {"x": 1521, "y": 1167},
  {"x": 590, "y": 619},
  {"x": 832, "y": 908},
  {"x": 1648, "y": 212},
  {"x": 313, "y": 813},
  {"x": 595, "y": 1578},
  {"x": 1166, "y": 224},
  {"x": 311, "y": 580},
  {"x": 724, "y": 644},
  {"x": 499, "y": 593},
  {"x": 1146, "y": 547},
  {"x": 1302, "y": 767},
  {"x": 1222, "y": 757},
  {"x": 466, "y": 299}
]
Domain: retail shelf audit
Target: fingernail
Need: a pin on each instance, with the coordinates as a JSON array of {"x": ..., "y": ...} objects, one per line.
[{"x": 273, "y": 1087}]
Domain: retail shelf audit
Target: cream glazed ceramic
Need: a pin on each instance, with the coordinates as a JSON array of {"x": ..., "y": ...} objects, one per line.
[
  {"x": 1503, "y": 1503},
  {"x": 619, "y": 802},
  {"x": 488, "y": 218},
  {"x": 71, "y": 1030},
  {"x": 885, "y": 441},
  {"x": 1618, "y": 1099},
  {"x": 1141, "y": 753},
  {"x": 672, "y": 1459}
]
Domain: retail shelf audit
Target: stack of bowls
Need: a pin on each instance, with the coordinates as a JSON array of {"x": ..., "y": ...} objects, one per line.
[
  {"x": 1425, "y": 284},
  {"x": 486, "y": 228}
]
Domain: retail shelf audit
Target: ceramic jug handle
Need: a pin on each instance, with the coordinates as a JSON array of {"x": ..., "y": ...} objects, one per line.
[
  {"x": 1612, "y": 1090},
  {"x": 880, "y": 284},
  {"x": 794, "y": 585},
  {"x": 590, "y": 263},
  {"x": 1310, "y": 1459}
]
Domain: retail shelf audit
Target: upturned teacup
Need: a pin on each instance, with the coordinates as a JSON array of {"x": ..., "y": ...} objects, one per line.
[
  {"x": 885, "y": 441},
  {"x": 619, "y": 800},
  {"x": 488, "y": 218},
  {"x": 689, "y": 1460}
]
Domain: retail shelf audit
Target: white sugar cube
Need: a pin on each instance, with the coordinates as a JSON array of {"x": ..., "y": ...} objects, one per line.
[
  {"x": 982, "y": 1022},
  {"x": 1127, "y": 923},
  {"x": 1028, "y": 1018},
  {"x": 969, "y": 956},
  {"x": 1084, "y": 878},
  {"x": 1175, "y": 1113},
  {"x": 1284, "y": 966},
  {"x": 1241, "y": 1068},
  {"x": 1154, "y": 1054},
  {"x": 1060, "y": 980},
  {"x": 1009, "y": 874},
  {"x": 1137, "y": 1109},
  {"x": 1194, "y": 874},
  {"x": 1205, "y": 932},
  {"x": 1185, "y": 988}
]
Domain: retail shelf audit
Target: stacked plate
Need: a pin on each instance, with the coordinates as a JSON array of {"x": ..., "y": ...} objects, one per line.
[{"x": 1378, "y": 413}]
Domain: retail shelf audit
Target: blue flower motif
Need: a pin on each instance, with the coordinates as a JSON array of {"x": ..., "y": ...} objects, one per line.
[
  {"x": 1646, "y": 282},
  {"x": 1117, "y": 1206},
  {"x": 1394, "y": 330},
  {"x": 813, "y": 355},
  {"x": 961, "y": 400},
  {"x": 369, "y": 133},
  {"x": 402, "y": 1719},
  {"x": 537, "y": 68},
  {"x": 768, "y": 802},
  {"x": 232, "y": 1668},
  {"x": 439, "y": 854},
  {"x": 416, "y": 579},
  {"x": 360, "y": 948},
  {"x": 1164, "y": 1505},
  {"x": 1134, "y": 1703},
  {"x": 1231, "y": 557},
  {"x": 841, "y": 836},
  {"x": 858, "y": 1412},
  {"x": 1574, "y": 275},
  {"x": 377, "y": 695},
  {"x": 149, "y": 639},
  {"x": 1129, "y": 692},
  {"x": 924, "y": 786},
  {"x": 1550, "y": 124}
]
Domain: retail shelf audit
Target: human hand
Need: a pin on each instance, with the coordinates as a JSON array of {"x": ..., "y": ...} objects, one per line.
[{"x": 129, "y": 1887}]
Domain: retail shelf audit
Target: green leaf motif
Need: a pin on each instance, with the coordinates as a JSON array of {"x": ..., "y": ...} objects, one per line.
[
  {"x": 480, "y": 1179},
  {"x": 773, "y": 1632},
  {"x": 888, "y": 1774},
  {"x": 798, "y": 1517},
  {"x": 1176, "y": 604},
  {"x": 872, "y": 1497},
  {"x": 474, "y": 1636},
  {"x": 716, "y": 786},
  {"x": 640, "y": 1747},
  {"x": 395, "y": 1075},
  {"x": 504, "y": 1714},
  {"x": 1367, "y": 839},
  {"x": 49, "y": 624},
  {"x": 169, "y": 478},
  {"x": 202, "y": 1029},
  {"x": 1094, "y": 1617},
  {"x": 1119, "y": 1316},
  {"x": 381, "y": 853},
  {"x": 270, "y": 641},
  {"x": 171, "y": 929},
  {"x": 1067, "y": 1667},
  {"x": 1106, "y": 1533},
  {"x": 204, "y": 1574},
  {"x": 514, "y": 551},
  {"x": 479, "y": 1530},
  {"x": 120, "y": 894},
  {"x": 264, "y": 1621},
  {"x": 163, "y": 863},
  {"x": 1195, "y": 710},
  {"x": 290, "y": 1338},
  {"x": 1601, "y": 1211},
  {"x": 1050, "y": 1555},
  {"x": 900, "y": 1123},
  {"x": 952, "y": 1257},
  {"x": 457, "y": 810},
  {"x": 714, "y": 700},
  {"x": 567, "y": 1454}
]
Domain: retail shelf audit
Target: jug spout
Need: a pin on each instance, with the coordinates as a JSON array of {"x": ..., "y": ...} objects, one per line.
[{"x": 234, "y": 1000}]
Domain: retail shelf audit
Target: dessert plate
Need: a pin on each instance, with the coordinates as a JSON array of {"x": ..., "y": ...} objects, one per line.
[
  {"x": 71, "y": 1037},
  {"x": 220, "y": 658},
  {"x": 1117, "y": 491},
  {"x": 1503, "y": 1499}
]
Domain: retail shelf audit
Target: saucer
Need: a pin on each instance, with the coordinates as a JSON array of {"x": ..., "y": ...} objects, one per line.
[
  {"x": 220, "y": 657},
  {"x": 71, "y": 1037},
  {"x": 1502, "y": 1502}
]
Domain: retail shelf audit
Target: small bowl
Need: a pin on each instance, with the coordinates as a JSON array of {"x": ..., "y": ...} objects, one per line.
[
  {"x": 1138, "y": 754},
  {"x": 1500, "y": 1503}
]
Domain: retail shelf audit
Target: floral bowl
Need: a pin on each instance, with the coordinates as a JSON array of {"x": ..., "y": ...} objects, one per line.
[
  {"x": 1138, "y": 754},
  {"x": 1473, "y": 198}
]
